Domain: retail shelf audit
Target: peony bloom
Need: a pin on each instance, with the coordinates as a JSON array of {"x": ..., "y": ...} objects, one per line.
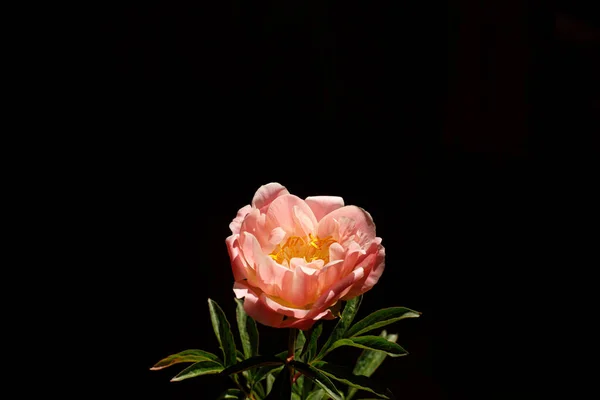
[{"x": 293, "y": 259}]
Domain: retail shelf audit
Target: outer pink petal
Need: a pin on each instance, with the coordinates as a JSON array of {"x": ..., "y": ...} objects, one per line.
[
  {"x": 323, "y": 205},
  {"x": 254, "y": 223},
  {"x": 292, "y": 214},
  {"x": 269, "y": 275},
  {"x": 255, "y": 308},
  {"x": 285, "y": 310},
  {"x": 237, "y": 262},
  {"x": 362, "y": 224},
  {"x": 306, "y": 324},
  {"x": 337, "y": 291},
  {"x": 374, "y": 265},
  {"x": 239, "y": 218},
  {"x": 266, "y": 194}
]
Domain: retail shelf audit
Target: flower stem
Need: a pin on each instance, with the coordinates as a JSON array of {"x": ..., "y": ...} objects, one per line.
[{"x": 292, "y": 343}]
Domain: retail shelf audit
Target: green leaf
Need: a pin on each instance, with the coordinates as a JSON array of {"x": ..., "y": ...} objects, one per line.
[
  {"x": 296, "y": 397},
  {"x": 316, "y": 395},
  {"x": 372, "y": 343},
  {"x": 350, "y": 310},
  {"x": 300, "y": 340},
  {"x": 310, "y": 346},
  {"x": 197, "y": 369},
  {"x": 265, "y": 371},
  {"x": 368, "y": 361},
  {"x": 222, "y": 332},
  {"x": 253, "y": 362},
  {"x": 381, "y": 318},
  {"x": 271, "y": 380},
  {"x": 248, "y": 331},
  {"x": 298, "y": 386},
  {"x": 186, "y": 356},
  {"x": 231, "y": 394},
  {"x": 345, "y": 375},
  {"x": 282, "y": 387},
  {"x": 319, "y": 378}
]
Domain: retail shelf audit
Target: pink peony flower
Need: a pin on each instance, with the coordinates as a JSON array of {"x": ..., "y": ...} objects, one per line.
[{"x": 293, "y": 259}]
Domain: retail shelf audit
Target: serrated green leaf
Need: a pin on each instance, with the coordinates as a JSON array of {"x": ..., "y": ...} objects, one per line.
[
  {"x": 310, "y": 346},
  {"x": 368, "y": 361},
  {"x": 380, "y": 318},
  {"x": 186, "y": 356},
  {"x": 248, "y": 331},
  {"x": 376, "y": 343},
  {"x": 350, "y": 310},
  {"x": 282, "y": 387},
  {"x": 253, "y": 362},
  {"x": 231, "y": 394},
  {"x": 197, "y": 369},
  {"x": 319, "y": 378},
  {"x": 316, "y": 395},
  {"x": 345, "y": 375},
  {"x": 222, "y": 332}
]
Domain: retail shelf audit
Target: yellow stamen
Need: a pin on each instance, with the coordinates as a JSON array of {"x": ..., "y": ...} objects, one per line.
[{"x": 311, "y": 249}]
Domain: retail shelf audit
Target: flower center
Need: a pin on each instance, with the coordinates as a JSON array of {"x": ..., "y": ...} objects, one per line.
[{"x": 310, "y": 248}]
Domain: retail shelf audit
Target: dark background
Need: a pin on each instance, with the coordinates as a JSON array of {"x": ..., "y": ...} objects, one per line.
[{"x": 448, "y": 123}]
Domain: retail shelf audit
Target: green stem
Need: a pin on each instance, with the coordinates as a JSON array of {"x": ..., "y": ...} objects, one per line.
[{"x": 291, "y": 348}]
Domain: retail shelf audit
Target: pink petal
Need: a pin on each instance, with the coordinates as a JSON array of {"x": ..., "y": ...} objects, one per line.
[
  {"x": 347, "y": 221},
  {"x": 323, "y": 205},
  {"x": 266, "y": 194},
  {"x": 374, "y": 265},
  {"x": 269, "y": 274},
  {"x": 306, "y": 323},
  {"x": 254, "y": 223},
  {"x": 300, "y": 287},
  {"x": 239, "y": 218},
  {"x": 237, "y": 263},
  {"x": 292, "y": 214},
  {"x": 284, "y": 310},
  {"x": 255, "y": 308},
  {"x": 337, "y": 291}
]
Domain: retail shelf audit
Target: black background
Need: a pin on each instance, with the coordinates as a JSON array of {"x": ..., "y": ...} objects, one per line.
[{"x": 438, "y": 119}]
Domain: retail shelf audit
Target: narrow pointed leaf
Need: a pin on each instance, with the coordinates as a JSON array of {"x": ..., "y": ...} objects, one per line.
[
  {"x": 316, "y": 395},
  {"x": 300, "y": 339},
  {"x": 197, "y": 369},
  {"x": 231, "y": 394},
  {"x": 264, "y": 371},
  {"x": 319, "y": 378},
  {"x": 271, "y": 381},
  {"x": 186, "y": 356},
  {"x": 282, "y": 387},
  {"x": 376, "y": 343},
  {"x": 350, "y": 310},
  {"x": 298, "y": 386},
  {"x": 345, "y": 375},
  {"x": 222, "y": 332},
  {"x": 248, "y": 331},
  {"x": 309, "y": 350},
  {"x": 368, "y": 361},
  {"x": 381, "y": 318},
  {"x": 253, "y": 362}
]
